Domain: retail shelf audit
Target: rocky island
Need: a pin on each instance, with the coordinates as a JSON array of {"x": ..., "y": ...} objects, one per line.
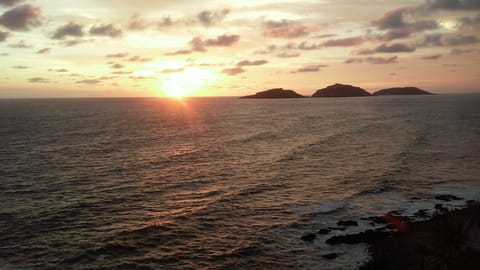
[
  {"x": 276, "y": 93},
  {"x": 401, "y": 91},
  {"x": 341, "y": 90}
]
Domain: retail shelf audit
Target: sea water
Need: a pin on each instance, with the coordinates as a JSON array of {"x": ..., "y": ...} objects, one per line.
[{"x": 221, "y": 183}]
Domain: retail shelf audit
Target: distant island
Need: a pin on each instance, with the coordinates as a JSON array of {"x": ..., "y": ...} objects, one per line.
[
  {"x": 341, "y": 90},
  {"x": 401, "y": 91},
  {"x": 276, "y": 93}
]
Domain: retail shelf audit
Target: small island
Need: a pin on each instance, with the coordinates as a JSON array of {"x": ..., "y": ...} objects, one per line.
[
  {"x": 341, "y": 90},
  {"x": 401, "y": 91},
  {"x": 276, "y": 93}
]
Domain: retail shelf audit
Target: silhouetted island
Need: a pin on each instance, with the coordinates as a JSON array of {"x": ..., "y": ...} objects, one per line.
[
  {"x": 276, "y": 93},
  {"x": 401, "y": 91},
  {"x": 341, "y": 90}
]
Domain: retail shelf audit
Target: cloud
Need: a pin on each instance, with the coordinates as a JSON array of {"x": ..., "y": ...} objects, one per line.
[
  {"x": 44, "y": 51},
  {"x": 400, "y": 33},
  {"x": 4, "y": 36},
  {"x": 285, "y": 29},
  {"x": 9, "y": 3},
  {"x": 269, "y": 49},
  {"x": 233, "y": 71},
  {"x": 137, "y": 78},
  {"x": 122, "y": 72},
  {"x": 20, "y": 45},
  {"x": 137, "y": 23},
  {"x": 439, "y": 40},
  {"x": 208, "y": 18},
  {"x": 21, "y": 18},
  {"x": 306, "y": 46},
  {"x": 223, "y": 40},
  {"x": 20, "y": 67},
  {"x": 460, "y": 40},
  {"x": 198, "y": 44},
  {"x": 325, "y": 36},
  {"x": 165, "y": 21},
  {"x": 453, "y": 4},
  {"x": 38, "y": 80},
  {"x": 402, "y": 19},
  {"x": 89, "y": 82},
  {"x": 382, "y": 60},
  {"x": 137, "y": 58},
  {"x": 394, "y": 48},
  {"x": 288, "y": 55},
  {"x": 117, "y": 55},
  {"x": 457, "y": 51},
  {"x": 353, "y": 60},
  {"x": 432, "y": 57},
  {"x": 385, "y": 48},
  {"x": 117, "y": 66},
  {"x": 169, "y": 70},
  {"x": 393, "y": 19},
  {"x": 344, "y": 42},
  {"x": 179, "y": 52},
  {"x": 470, "y": 21},
  {"x": 251, "y": 63},
  {"x": 70, "y": 43},
  {"x": 107, "y": 30},
  {"x": 432, "y": 40},
  {"x": 61, "y": 70},
  {"x": 70, "y": 29},
  {"x": 311, "y": 68}
]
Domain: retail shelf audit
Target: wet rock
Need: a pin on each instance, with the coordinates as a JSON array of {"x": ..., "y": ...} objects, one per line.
[
  {"x": 395, "y": 213},
  {"x": 309, "y": 237},
  {"x": 439, "y": 207},
  {"x": 330, "y": 256},
  {"x": 376, "y": 219},
  {"x": 347, "y": 223},
  {"x": 422, "y": 213},
  {"x": 447, "y": 198},
  {"x": 337, "y": 228},
  {"x": 324, "y": 231},
  {"x": 368, "y": 236}
]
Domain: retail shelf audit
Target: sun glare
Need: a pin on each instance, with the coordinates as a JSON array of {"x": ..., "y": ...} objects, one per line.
[{"x": 186, "y": 83}]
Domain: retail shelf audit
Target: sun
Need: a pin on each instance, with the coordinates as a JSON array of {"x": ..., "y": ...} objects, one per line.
[{"x": 187, "y": 82}]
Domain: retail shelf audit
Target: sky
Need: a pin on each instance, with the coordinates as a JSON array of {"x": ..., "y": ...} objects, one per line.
[{"x": 111, "y": 48}]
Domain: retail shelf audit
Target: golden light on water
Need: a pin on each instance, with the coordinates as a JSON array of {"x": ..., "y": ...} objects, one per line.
[{"x": 188, "y": 82}]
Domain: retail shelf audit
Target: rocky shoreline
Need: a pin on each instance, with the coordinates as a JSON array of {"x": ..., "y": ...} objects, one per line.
[{"x": 447, "y": 239}]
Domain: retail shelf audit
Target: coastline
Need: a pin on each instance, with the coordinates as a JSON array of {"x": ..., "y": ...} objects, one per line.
[
  {"x": 449, "y": 240},
  {"x": 444, "y": 239}
]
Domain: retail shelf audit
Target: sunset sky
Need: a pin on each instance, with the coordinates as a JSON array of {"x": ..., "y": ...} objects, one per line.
[{"x": 89, "y": 48}]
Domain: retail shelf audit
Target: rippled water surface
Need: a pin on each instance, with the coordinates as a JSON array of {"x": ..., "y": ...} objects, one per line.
[{"x": 220, "y": 183}]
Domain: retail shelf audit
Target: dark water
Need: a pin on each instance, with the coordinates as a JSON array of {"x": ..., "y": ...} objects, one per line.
[{"x": 220, "y": 183}]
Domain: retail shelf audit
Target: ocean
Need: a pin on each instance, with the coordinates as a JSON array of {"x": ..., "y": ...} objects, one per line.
[{"x": 222, "y": 183}]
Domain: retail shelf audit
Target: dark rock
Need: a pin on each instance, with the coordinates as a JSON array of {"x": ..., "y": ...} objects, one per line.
[
  {"x": 401, "y": 91},
  {"x": 330, "y": 256},
  {"x": 376, "y": 219},
  {"x": 395, "y": 212},
  {"x": 447, "y": 198},
  {"x": 276, "y": 93},
  {"x": 324, "y": 231},
  {"x": 423, "y": 213},
  {"x": 347, "y": 223},
  {"x": 341, "y": 90},
  {"x": 439, "y": 207},
  {"x": 368, "y": 236},
  {"x": 337, "y": 228},
  {"x": 309, "y": 237}
]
